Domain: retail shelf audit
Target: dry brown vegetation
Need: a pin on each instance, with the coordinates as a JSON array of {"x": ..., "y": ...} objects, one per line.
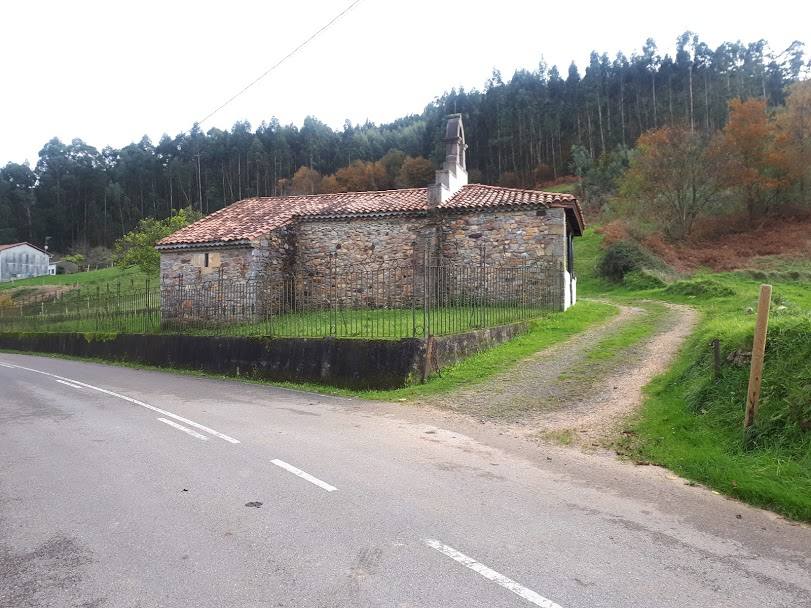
[{"x": 725, "y": 243}]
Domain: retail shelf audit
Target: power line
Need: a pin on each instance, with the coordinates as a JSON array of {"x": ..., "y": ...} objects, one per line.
[{"x": 348, "y": 8}]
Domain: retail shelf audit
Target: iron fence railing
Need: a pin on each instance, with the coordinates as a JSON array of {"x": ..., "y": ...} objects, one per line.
[{"x": 387, "y": 301}]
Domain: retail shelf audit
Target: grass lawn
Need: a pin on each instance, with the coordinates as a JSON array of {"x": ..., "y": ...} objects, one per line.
[
  {"x": 114, "y": 279},
  {"x": 692, "y": 422}
]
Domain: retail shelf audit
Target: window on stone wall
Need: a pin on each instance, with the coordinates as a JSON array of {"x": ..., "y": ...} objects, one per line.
[{"x": 206, "y": 260}]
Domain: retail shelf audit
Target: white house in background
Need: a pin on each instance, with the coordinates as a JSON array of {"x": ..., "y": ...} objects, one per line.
[{"x": 22, "y": 260}]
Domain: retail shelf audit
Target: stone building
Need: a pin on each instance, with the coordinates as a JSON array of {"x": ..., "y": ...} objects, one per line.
[{"x": 449, "y": 222}]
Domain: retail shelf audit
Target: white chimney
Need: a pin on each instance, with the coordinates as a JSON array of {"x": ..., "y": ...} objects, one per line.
[{"x": 453, "y": 174}]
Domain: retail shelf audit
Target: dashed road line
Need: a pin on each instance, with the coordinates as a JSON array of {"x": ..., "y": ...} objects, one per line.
[
  {"x": 166, "y": 413},
  {"x": 70, "y": 384},
  {"x": 180, "y": 427},
  {"x": 499, "y": 579},
  {"x": 298, "y": 472}
]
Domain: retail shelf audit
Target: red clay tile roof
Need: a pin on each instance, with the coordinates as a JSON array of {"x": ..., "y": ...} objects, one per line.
[
  {"x": 377, "y": 201},
  {"x": 481, "y": 196},
  {"x": 252, "y": 218},
  {"x": 478, "y": 196}
]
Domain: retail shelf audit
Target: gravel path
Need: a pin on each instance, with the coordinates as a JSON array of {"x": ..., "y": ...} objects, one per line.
[
  {"x": 592, "y": 416},
  {"x": 558, "y": 394}
]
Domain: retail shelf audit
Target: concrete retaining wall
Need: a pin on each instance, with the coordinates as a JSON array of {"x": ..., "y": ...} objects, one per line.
[
  {"x": 359, "y": 364},
  {"x": 447, "y": 350}
]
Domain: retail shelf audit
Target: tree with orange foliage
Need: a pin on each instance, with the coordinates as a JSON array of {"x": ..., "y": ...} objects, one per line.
[
  {"x": 752, "y": 156},
  {"x": 670, "y": 179},
  {"x": 361, "y": 176},
  {"x": 392, "y": 162},
  {"x": 305, "y": 181},
  {"x": 794, "y": 123},
  {"x": 330, "y": 185},
  {"x": 416, "y": 172}
]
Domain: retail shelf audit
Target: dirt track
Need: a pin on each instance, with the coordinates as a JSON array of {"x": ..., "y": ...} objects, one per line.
[{"x": 558, "y": 394}]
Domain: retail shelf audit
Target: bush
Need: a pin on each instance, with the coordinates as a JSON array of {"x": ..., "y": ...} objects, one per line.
[
  {"x": 99, "y": 256},
  {"x": 642, "y": 279},
  {"x": 623, "y": 257},
  {"x": 137, "y": 248},
  {"x": 777, "y": 276},
  {"x": 707, "y": 288},
  {"x": 75, "y": 258}
]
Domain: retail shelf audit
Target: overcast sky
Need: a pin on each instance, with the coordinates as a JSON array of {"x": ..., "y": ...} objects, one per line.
[{"x": 109, "y": 72}]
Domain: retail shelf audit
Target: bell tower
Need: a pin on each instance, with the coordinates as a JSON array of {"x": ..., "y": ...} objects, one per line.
[{"x": 453, "y": 174}]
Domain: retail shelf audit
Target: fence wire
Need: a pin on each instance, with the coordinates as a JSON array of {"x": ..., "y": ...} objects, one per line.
[{"x": 387, "y": 301}]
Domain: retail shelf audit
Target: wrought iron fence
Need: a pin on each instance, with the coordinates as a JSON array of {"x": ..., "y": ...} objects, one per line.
[
  {"x": 136, "y": 310},
  {"x": 386, "y": 301}
]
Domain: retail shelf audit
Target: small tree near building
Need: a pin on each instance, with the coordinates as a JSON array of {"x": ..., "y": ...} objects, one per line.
[{"x": 137, "y": 248}]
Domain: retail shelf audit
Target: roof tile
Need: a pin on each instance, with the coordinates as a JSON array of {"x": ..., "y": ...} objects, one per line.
[{"x": 252, "y": 218}]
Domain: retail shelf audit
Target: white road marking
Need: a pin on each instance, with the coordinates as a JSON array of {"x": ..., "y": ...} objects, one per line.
[
  {"x": 303, "y": 475},
  {"x": 70, "y": 384},
  {"x": 7, "y": 365},
  {"x": 180, "y": 427},
  {"x": 499, "y": 579},
  {"x": 168, "y": 414}
]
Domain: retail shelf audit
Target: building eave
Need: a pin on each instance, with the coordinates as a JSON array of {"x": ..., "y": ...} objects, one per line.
[
  {"x": 575, "y": 215},
  {"x": 235, "y": 244},
  {"x": 362, "y": 215}
]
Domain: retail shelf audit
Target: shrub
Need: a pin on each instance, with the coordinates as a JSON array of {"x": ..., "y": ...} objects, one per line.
[
  {"x": 707, "y": 288},
  {"x": 623, "y": 257},
  {"x": 642, "y": 279},
  {"x": 137, "y": 248},
  {"x": 777, "y": 276},
  {"x": 75, "y": 258}
]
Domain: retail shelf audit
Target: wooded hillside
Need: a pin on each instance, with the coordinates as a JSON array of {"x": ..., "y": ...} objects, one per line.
[{"x": 521, "y": 131}]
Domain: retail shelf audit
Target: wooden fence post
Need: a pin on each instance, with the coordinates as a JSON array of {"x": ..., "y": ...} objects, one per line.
[{"x": 758, "y": 350}]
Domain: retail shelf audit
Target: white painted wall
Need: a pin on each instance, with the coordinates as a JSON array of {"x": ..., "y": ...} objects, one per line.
[
  {"x": 22, "y": 262},
  {"x": 569, "y": 290}
]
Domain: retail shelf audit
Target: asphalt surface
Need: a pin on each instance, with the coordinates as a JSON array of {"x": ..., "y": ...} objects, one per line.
[{"x": 125, "y": 488}]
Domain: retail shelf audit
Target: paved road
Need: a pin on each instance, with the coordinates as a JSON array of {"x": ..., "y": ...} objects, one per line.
[{"x": 125, "y": 488}]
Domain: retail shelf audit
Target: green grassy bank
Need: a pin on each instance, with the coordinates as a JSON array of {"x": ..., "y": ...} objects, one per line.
[{"x": 692, "y": 422}]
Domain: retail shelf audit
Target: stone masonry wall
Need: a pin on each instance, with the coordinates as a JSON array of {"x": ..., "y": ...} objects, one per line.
[
  {"x": 509, "y": 238},
  {"x": 375, "y": 259},
  {"x": 230, "y": 282},
  {"x": 378, "y": 259},
  {"x": 360, "y": 241},
  {"x": 187, "y": 267}
]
